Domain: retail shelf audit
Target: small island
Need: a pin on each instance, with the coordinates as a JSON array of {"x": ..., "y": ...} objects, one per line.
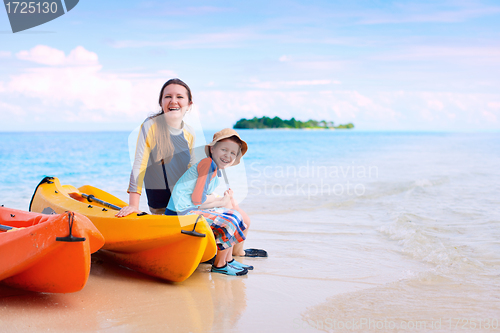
[{"x": 277, "y": 122}]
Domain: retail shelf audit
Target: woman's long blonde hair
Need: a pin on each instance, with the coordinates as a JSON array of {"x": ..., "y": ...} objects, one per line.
[{"x": 164, "y": 146}]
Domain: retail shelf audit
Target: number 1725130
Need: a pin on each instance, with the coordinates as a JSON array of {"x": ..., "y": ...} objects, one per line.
[
  {"x": 472, "y": 324},
  {"x": 31, "y": 7}
]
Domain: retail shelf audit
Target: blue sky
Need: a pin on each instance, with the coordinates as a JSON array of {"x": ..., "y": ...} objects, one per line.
[{"x": 383, "y": 65}]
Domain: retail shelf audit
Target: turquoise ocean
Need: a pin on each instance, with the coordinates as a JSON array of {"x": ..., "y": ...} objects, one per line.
[{"x": 378, "y": 228}]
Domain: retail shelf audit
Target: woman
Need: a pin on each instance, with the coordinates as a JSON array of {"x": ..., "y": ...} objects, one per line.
[{"x": 164, "y": 150}]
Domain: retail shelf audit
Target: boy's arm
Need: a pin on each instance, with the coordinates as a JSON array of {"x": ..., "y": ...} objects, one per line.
[
  {"x": 214, "y": 202},
  {"x": 200, "y": 196},
  {"x": 233, "y": 200}
]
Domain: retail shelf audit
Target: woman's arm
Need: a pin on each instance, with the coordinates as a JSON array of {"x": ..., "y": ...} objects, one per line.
[
  {"x": 133, "y": 206},
  {"x": 142, "y": 152},
  {"x": 141, "y": 157},
  {"x": 191, "y": 139}
]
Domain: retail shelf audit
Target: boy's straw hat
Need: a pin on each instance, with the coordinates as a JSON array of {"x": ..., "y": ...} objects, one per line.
[{"x": 224, "y": 134}]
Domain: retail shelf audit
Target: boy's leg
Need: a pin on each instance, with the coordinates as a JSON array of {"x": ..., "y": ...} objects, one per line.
[
  {"x": 229, "y": 255},
  {"x": 238, "y": 249},
  {"x": 221, "y": 264},
  {"x": 216, "y": 217},
  {"x": 221, "y": 257},
  {"x": 229, "y": 205}
]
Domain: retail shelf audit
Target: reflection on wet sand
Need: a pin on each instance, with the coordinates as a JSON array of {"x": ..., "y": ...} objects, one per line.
[
  {"x": 116, "y": 299},
  {"x": 229, "y": 301}
]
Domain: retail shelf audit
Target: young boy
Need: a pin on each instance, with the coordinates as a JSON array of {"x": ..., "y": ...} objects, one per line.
[{"x": 193, "y": 194}]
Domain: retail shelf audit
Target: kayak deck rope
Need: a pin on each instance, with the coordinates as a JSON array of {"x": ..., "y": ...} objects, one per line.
[{"x": 70, "y": 238}]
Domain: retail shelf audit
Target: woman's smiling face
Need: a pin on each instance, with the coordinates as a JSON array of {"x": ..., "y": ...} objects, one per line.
[
  {"x": 224, "y": 153},
  {"x": 175, "y": 101}
]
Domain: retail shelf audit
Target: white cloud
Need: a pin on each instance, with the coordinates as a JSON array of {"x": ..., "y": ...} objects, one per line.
[
  {"x": 447, "y": 110},
  {"x": 205, "y": 40},
  {"x": 151, "y": 9},
  {"x": 494, "y": 105},
  {"x": 79, "y": 56},
  {"x": 456, "y": 53},
  {"x": 387, "y": 110},
  {"x": 168, "y": 73},
  {"x": 284, "y": 58},
  {"x": 283, "y": 84},
  {"x": 490, "y": 116},
  {"x": 86, "y": 89},
  {"x": 435, "y": 105},
  {"x": 202, "y": 10},
  {"x": 46, "y": 55},
  {"x": 12, "y": 109},
  {"x": 353, "y": 104},
  {"x": 311, "y": 82},
  {"x": 75, "y": 88},
  {"x": 339, "y": 106},
  {"x": 421, "y": 12},
  {"x": 43, "y": 55},
  {"x": 321, "y": 65}
]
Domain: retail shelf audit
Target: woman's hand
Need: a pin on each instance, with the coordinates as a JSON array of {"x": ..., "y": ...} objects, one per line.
[
  {"x": 127, "y": 210},
  {"x": 133, "y": 206}
]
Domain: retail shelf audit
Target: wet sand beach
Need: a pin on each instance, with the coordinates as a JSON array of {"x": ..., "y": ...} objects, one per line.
[
  {"x": 298, "y": 288},
  {"x": 116, "y": 299}
]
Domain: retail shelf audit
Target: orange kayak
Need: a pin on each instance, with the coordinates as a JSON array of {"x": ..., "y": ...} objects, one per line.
[
  {"x": 46, "y": 253},
  {"x": 167, "y": 247}
]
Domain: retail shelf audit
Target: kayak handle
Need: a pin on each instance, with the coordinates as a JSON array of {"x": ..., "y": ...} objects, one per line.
[
  {"x": 193, "y": 232},
  {"x": 70, "y": 238}
]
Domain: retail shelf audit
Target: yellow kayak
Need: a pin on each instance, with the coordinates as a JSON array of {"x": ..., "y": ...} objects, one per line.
[{"x": 167, "y": 247}]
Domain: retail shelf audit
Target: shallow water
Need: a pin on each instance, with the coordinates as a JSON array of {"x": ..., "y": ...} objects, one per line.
[{"x": 401, "y": 227}]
